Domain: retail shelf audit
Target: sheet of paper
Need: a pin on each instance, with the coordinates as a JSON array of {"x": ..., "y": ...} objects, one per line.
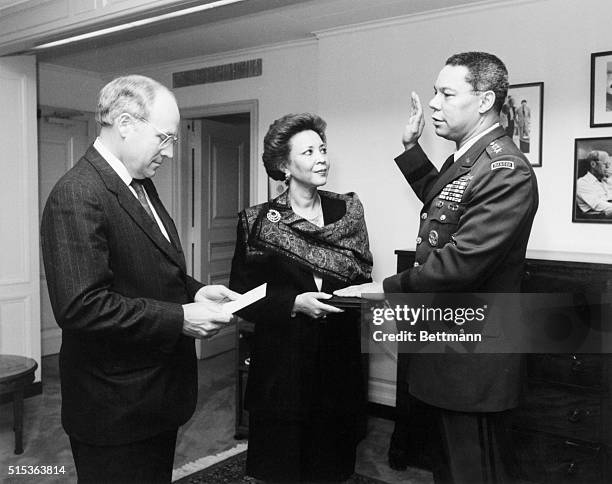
[{"x": 246, "y": 299}]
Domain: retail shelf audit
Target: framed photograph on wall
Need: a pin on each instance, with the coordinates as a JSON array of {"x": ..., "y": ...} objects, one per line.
[
  {"x": 592, "y": 201},
  {"x": 521, "y": 117},
  {"x": 601, "y": 89}
]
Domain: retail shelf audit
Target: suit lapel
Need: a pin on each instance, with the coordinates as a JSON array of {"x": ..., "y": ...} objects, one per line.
[
  {"x": 464, "y": 164},
  {"x": 132, "y": 206},
  {"x": 163, "y": 214}
]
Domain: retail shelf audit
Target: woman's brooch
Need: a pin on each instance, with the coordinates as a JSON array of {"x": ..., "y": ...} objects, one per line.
[{"x": 273, "y": 215}]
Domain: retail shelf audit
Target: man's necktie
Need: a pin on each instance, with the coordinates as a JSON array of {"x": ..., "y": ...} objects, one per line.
[
  {"x": 142, "y": 197},
  {"x": 448, "y": 163}
]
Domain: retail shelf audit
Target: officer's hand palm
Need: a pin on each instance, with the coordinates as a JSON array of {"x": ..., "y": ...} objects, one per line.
[{"x": 416, "y": 123}]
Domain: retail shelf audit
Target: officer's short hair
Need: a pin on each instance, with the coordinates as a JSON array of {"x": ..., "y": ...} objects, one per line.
[
  {"x": 131, "y": 94},
  {"x": 486, "y": 72}
]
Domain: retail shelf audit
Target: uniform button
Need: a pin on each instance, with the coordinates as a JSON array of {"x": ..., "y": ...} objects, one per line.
[
  {"x": 416, "y": 264},
  {"x": 424, "y": 215},
  {"x": 440, "y": 204},
  {"x": 442, "y": 217},
  {"x": 419, "y": 240}
]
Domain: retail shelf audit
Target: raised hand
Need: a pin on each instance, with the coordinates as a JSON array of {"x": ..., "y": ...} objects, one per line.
[{"x": 416, "y": 123}]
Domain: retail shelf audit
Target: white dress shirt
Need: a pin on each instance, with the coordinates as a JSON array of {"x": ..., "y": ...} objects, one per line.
[
  {"x": 123, "y": 173},
  {"x": 591, "y": 194},
  {"x": 468, "y": 144}
]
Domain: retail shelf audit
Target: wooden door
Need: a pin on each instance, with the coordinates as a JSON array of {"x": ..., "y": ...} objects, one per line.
[
  {"x": 63, "y": 138},
  {"x": 215, "y": 170},
  {"x": 225, "y": 185}
]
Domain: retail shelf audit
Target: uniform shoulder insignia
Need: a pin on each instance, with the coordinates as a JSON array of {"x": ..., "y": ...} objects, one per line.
[
  {"x": 502, "y": 164},
  {"x": 500, "y": 147}
]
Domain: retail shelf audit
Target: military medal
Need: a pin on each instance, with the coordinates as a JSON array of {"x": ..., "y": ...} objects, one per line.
[{"x": 433, "y": 238}]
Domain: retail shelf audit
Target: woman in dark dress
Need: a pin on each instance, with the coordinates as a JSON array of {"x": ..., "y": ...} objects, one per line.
[{"x": 305, "y": 393}]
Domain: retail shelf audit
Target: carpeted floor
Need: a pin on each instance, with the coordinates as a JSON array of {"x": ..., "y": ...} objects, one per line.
[
  {"x": 231, "y": 471},
  {"x": 208, "y": 433}
]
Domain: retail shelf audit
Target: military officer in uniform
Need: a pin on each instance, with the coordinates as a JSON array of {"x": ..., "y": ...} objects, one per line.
[{"x": 477, "y": 214}]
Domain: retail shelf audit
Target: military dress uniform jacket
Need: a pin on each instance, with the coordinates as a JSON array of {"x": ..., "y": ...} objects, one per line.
[{"x": 475, "y": 224}]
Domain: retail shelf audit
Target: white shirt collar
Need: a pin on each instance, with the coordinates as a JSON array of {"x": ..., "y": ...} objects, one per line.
[
  {"x": 113, "y": 161},
  {"x": 469, "y": 143}
]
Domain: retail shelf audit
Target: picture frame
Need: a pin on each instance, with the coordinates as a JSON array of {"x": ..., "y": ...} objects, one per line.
[
  {"x": 586, "y": 185},
  {"x": 522, "y": 118},
  {"x": 601, "y": 89}
]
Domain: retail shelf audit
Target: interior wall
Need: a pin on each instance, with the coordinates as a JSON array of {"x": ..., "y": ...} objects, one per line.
[
  {"x": 365, "y": 79},
  {"x": 538, "y": 41},
  {"x": 288, "y": 84},
  {"x": 63, "y": 87},
  {"x": 359, "y": 79}
]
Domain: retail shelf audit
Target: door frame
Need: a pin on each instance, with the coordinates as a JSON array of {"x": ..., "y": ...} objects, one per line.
[
  {"x": 250, "y": 106},
  {"x": 220, "y": 342}
]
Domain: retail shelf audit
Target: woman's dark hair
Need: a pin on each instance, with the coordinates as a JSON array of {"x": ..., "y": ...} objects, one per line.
[{"x": 276, "y": 142}]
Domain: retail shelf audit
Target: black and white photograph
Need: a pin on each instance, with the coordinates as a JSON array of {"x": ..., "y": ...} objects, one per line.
[
  {"x": 593, "y": 181},
  {"x": 601, "y": 89},
  {"x": 262, "y": 241},
  {"x": 522, "y": 118}
]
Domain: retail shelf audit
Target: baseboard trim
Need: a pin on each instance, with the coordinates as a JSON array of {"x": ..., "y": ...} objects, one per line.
[{"x": 31, "y": 390}]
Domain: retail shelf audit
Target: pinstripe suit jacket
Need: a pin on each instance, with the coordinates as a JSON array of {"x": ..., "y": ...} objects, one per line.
[{"x": 116, "y": 287}]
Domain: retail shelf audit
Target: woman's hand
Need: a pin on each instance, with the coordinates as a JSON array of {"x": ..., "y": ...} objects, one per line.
[{"x": 309, "y": 304}]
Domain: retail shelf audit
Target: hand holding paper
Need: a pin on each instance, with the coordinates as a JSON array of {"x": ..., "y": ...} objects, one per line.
[
  {"x": 215, "y": 293},
  {"x": 246, "y": 299},
  {"x": 204, "y": 319}
]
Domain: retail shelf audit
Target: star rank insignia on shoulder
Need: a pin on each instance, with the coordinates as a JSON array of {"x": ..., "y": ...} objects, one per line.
[
  {"x": 500, "y": 147},
  {"x": 495, "y": 148}
]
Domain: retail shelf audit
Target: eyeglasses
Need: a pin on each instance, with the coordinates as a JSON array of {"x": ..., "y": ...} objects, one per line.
[{"x": 167, "y": 140}]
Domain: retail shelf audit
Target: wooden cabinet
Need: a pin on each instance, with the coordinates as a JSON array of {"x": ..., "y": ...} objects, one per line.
[{"x": 562, "y": 429}]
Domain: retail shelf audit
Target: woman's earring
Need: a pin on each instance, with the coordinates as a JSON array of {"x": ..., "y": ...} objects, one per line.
[{"x": 287, "y": 177}]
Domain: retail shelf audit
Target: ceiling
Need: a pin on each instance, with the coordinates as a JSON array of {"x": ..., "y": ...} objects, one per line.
[
  {"x": 10, "y": 3},
  {"x": 242, "y": 25}
]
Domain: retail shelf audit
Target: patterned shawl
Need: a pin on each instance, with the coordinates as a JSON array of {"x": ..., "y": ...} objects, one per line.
[{"x": 339, "y": 250}]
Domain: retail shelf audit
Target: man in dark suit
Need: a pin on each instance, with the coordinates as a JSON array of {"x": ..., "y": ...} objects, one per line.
[
  {"x": 475, "y": 223},
  {"x": 121, "y": 294}
]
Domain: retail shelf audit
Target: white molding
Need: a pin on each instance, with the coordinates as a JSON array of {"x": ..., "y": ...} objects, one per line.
[
  {"x": 559, "y": 255},
  {"x": 67, "y": 20},
  {"x": 420, "y": 17},
  {"x": 226, "y": 56},
  {"x": 381, "y": 391}
]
